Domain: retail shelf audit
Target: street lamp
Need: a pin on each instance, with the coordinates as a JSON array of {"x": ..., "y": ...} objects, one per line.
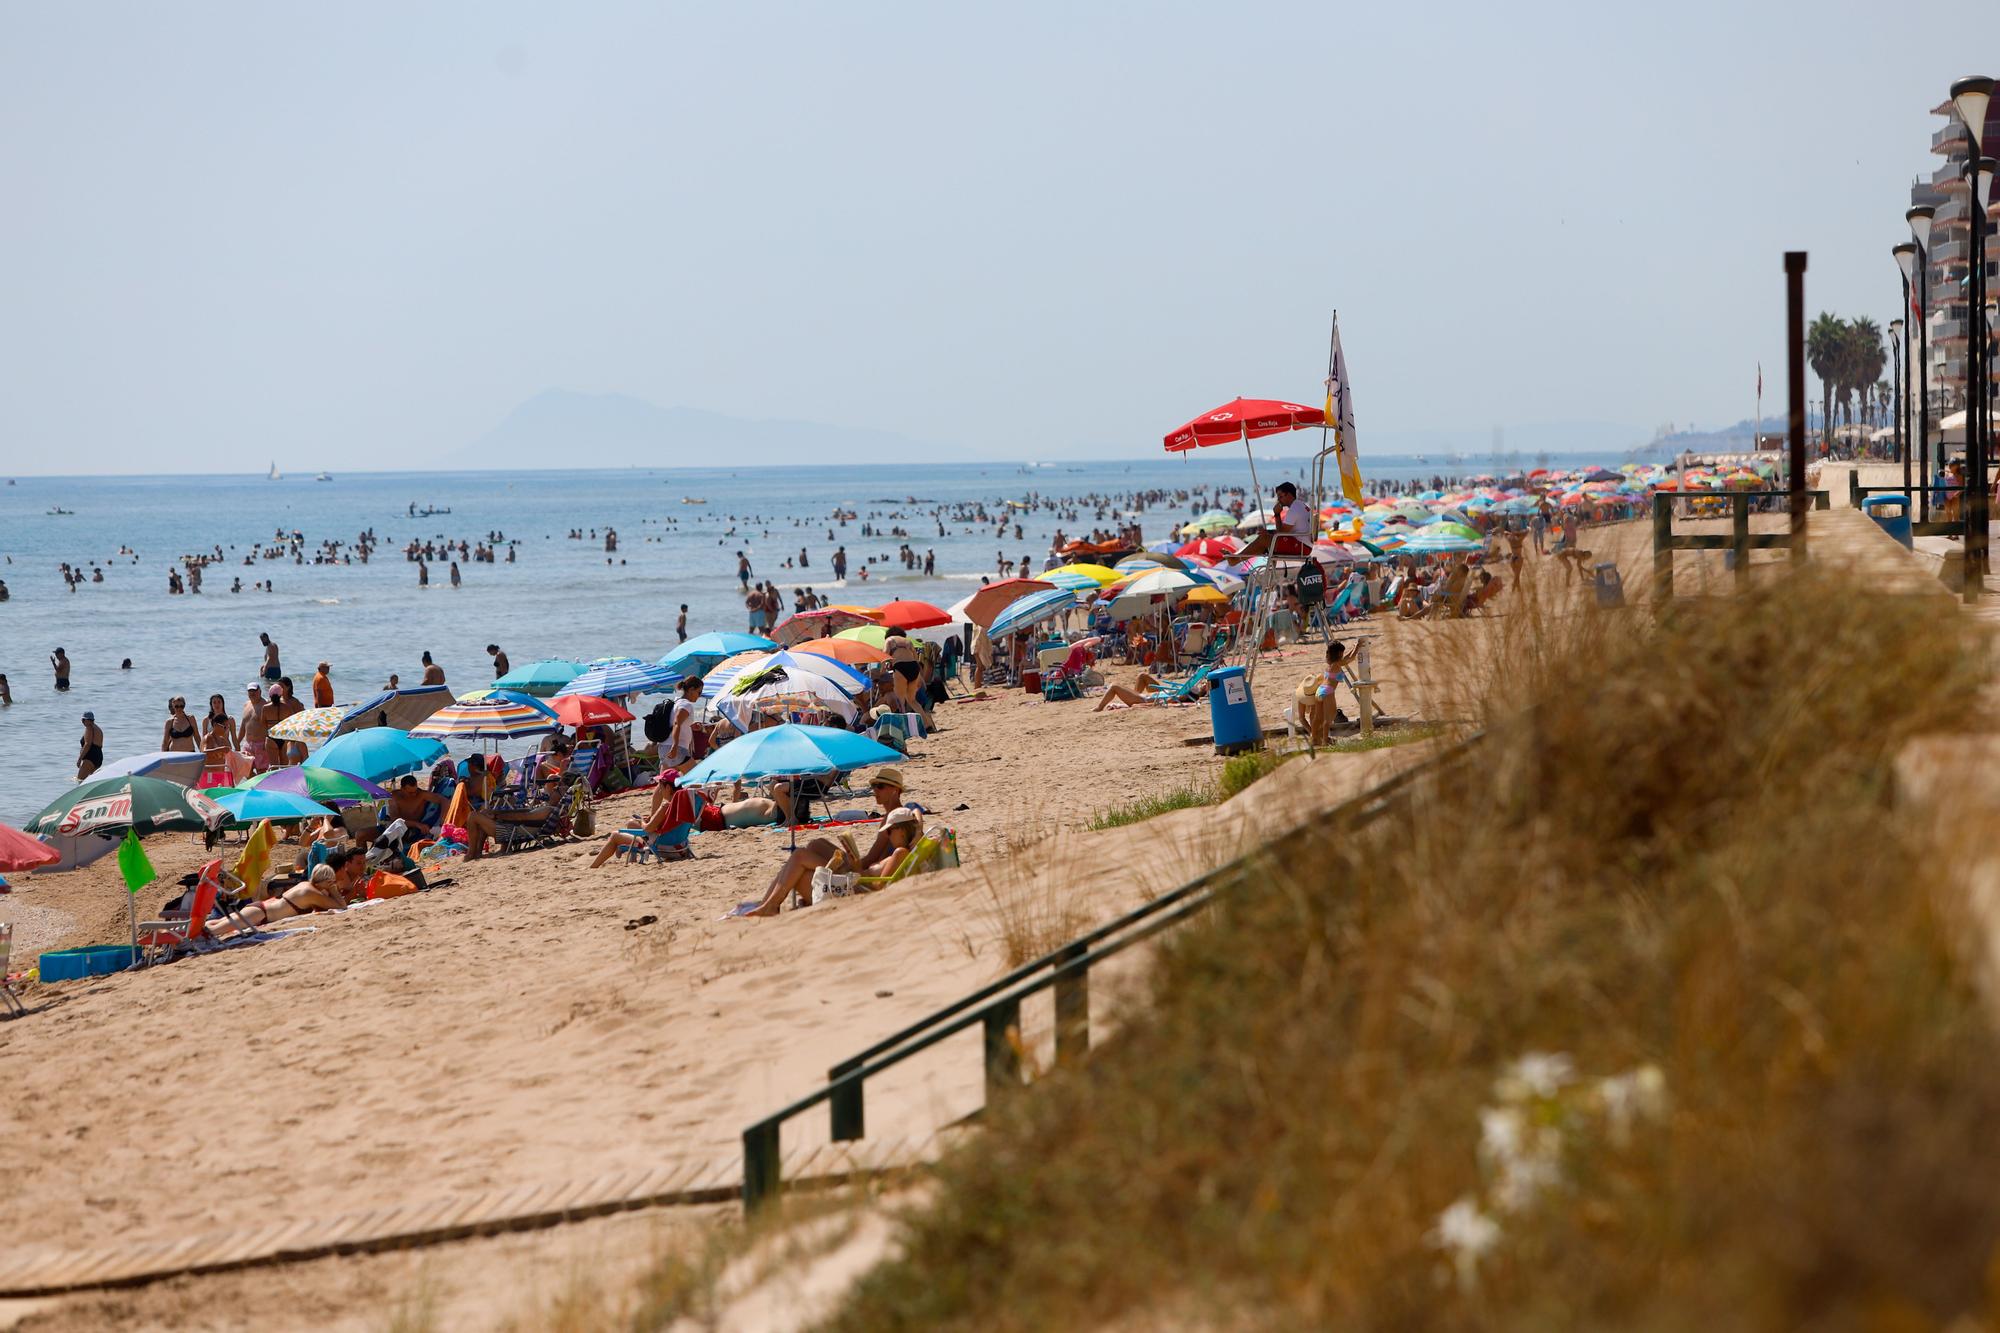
[
  {"x": 1920, "y": 227},
  {"x": 1969, "y": 99},
  {"x": 1906, "y": 262}
]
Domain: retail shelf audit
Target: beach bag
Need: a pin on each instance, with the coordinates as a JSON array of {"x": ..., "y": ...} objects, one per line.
[
  {"x": 585, "y": 822},
  {"x": 947, "y": 847},
  {"x": 893, "y": 730},
  {"x": 830, "y": 884}
]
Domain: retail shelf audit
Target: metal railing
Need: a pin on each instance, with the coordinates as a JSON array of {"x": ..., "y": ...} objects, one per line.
[
  {"x": 995, "y": 1008},
  {"x": 1739, "y": 541},
  {"x": 1932, "y": 527}
]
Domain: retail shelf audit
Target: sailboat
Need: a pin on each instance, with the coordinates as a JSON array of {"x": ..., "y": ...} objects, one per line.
[{"x": 275, "y": 474}]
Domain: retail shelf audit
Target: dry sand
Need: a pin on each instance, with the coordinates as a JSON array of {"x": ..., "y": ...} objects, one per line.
[{"x": 508, "y": 1029}]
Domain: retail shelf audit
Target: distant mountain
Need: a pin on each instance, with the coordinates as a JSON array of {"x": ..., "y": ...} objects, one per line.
[
  {"x": 1601, "y": 439},
  {"x": 560, "y": 428}
]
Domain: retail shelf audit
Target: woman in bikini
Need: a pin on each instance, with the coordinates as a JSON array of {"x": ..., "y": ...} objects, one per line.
[
  {"x": 178, "y": 734},
  {"x": 218, "y": 742}
]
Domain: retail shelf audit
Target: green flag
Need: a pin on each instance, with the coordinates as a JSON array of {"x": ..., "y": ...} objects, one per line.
[{"x": 132, "y": 864}]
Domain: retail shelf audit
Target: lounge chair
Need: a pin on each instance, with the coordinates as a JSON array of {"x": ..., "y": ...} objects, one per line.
[
  {"x": 161, "y": 940},
  {"x": 512, "y": 836},
  {"x": 1183, "y": 691},
  {"x": 926, "y": 855},
  {"x": 9, "y": 1001}
]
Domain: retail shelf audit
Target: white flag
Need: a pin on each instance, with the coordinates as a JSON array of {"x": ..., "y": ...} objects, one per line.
[{"x": 1340, "y": 415}]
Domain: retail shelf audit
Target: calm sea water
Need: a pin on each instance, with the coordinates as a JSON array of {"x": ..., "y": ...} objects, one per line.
[{"x": 560, "y": 599}]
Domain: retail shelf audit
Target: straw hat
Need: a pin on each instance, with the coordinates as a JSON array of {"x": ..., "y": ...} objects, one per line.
[{"x": 887, "y": 777}]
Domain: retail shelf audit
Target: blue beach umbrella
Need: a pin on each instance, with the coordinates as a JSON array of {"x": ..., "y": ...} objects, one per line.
[
  {"x": 703, "y": 651},
  {"x": 540, "y": 679},
  {"x": 614, "y": 680},
  {"x": 249, "y": 806},
  {"x": 1032, "y": 609},
  {"x": 378, "y": 753},
  {"x": 790, "y": 749}
]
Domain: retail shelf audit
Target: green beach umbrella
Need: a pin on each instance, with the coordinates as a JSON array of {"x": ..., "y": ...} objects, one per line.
[
  {"x": 1215, "y": 520},
  {"x": 541, "y": 679},
  {"x": 144, "y": 805},
  {"x": 325, "y": 785},
  {"x": 875, "y": 636}
]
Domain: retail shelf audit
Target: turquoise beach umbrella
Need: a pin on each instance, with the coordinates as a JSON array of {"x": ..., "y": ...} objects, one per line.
[
  {"x": 540, "y": 679},
  {"x": 378, "y": 753}
]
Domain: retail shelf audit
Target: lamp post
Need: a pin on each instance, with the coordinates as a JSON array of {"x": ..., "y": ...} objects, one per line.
[
  {"x": 1906, "y": 263},
  {"x": 1896, "y": 397},
  {"x": 1969, "y": 99},
  {"x": 1920, "y": 227}
]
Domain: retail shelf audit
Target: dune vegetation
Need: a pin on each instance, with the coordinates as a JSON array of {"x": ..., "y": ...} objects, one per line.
[{"x": 1650, "y": 1009}]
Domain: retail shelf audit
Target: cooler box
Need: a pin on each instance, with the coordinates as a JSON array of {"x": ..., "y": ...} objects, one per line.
[
  {"x": 1031, "y": 680},
  {"x": 1892, "y": 514},
  {"x": 1232, "y": 714}
]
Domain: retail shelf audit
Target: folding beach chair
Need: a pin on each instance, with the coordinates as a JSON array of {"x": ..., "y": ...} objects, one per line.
[
  {"x": 927, "y": 854},
  {"x": 10, "y": 1003},
  {"x": 1182, "y": 691},
  {"x": 162, "y": 940}
]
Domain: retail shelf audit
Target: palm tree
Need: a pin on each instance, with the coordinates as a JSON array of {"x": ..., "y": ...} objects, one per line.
[
  {"x": 1823, "y": 352},
  {"x": 1866, "y": 357}
]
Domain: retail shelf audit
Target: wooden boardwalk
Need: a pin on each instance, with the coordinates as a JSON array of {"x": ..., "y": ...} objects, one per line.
[{"x": 28, "y": 1271}]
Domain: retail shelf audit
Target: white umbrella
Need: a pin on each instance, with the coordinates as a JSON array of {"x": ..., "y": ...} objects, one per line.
[
  {"x": 789, "y": 687},
  {"x": 1256, "y": 518}
]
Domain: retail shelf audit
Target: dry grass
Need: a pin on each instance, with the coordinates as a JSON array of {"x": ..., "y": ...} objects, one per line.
[{"x": 1674, "y": 849}]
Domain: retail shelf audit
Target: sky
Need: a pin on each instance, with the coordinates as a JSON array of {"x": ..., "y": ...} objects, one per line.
[{"x": 358, "y": 235}]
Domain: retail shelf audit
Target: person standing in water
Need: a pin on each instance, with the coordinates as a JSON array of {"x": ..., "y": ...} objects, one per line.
[
  {"x": 6, "y": 694},
  {"x": 322, "y": 686},
  {"x": 433, "y": 673},
  {"x": 681, "y": 625},
  {"x": 454, "y": 574},
  {"x": 500, "y": 663},
  {"x": 271, "y": 668},
  {"x": 60, "y": 661},
  {"x": 178, "y": 734},
  {"x": 90, "y": 750}
]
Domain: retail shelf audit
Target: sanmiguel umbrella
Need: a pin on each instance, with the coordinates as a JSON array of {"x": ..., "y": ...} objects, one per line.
[{"x": 145, "y": 805}]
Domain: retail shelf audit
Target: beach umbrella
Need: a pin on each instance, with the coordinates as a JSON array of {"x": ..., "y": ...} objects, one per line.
[
  {"x": 1210, "y": 548},
  {"x": 396, "y": 709},
  {"x": 790, "y": 750},
  {"x": 1092, "y": 575},
  {"x": 850, "y": 651},
  {"x": 1432, "y": 542},
  {"x": 145, "y": 805},
  {"x": 783, "y": 693},
  {"x": 1242, "y": 419},
  {"x": 994, "y": 598},
  {"x": 794, "y": 630},
  {"x": 540, "y": 679},
  {"x": 904, "y": 615},
  {"x": 280, "y": 807},
  {"x": 498, "y": 717},
  {"x": 312, "y": 725},
  {"x": 704, "y": 651},
  {"x": 1159, "y": 582},
  {"x": 1255, "y": 519},
  {"x": 1341, "y": 553},
  {"x": 1208, "y": 597},
  {"x": 724, "y": 673},
  {"x": 18, "y": 851},
  {"x": 1465, "y": 530},
  {"x": 588, "y": 710},
  {"x": 1033, "y": 609},
  {"x": 378, "y": 753},
  {"x": 1140, "y": 561},
  {"x": 1215, "y": 520},
  {"x": 615, "y": 680},
  {"x": 850, "y": 680},
  {"x": 182, "y": 766},
  {"x": 328, "y": 786},
  {"x": 875, "y": 636}
]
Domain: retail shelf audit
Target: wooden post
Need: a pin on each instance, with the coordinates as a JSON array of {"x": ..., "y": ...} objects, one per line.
[
  {"x": 1072, "y": 1006},
  {"x": 1003, "y": 1062},
  {"x": 1739, "y": 537},
  {"x": 1663, "y": 547},
  {"x": 1795, "y": 384},
  {"x": 761, "y": 1168},
  {"x": 845, "y": 1106}
]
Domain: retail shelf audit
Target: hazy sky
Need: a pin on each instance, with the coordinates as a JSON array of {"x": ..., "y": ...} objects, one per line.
[{"x": 353, "y": 235}]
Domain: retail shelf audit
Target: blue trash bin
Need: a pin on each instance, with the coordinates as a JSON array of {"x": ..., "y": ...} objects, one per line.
[
  {"x": 1232, "y": 714},
  {"x": 1892, "y": 514}
]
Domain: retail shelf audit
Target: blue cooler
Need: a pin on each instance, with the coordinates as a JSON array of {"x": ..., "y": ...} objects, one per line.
[{"x": 1232, "y": 715}]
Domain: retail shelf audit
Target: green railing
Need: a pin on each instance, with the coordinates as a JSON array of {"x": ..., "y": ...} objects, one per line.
[
  {"x": 995, "y": 1008},
  {"x": 1739, "y": 541}
]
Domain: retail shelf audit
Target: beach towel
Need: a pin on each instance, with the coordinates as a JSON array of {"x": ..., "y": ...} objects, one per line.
[
  {"x": 255, "y": 863},
  {"x": 460, "y": 810}
]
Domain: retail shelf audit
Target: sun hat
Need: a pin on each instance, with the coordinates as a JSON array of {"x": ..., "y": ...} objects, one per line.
[
  {"x": 667, "y": 778},
  {"x": 887, "y": 777},
  {"x": 902, "y": 814}
]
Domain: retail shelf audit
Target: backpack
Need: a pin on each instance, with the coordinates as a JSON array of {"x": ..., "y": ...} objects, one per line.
[{"x": 659, "y": 723}]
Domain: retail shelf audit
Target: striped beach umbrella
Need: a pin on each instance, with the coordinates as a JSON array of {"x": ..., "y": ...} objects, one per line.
[
  {"x": 615, "y": 680},
  {"x": 498, "y": 717}
]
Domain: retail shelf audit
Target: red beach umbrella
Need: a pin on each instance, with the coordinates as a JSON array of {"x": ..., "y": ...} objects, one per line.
[
  {"x": 912, "y": 615},
  {"x": 1211, "y": 548},
  {"x": 18, "y": 851},
  {"x": 1243, "y": 420},
  {"x": 588, "y": 710}
]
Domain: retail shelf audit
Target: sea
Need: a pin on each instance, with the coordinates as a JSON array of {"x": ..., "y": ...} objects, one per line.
[{"x": 679, "y": 532}]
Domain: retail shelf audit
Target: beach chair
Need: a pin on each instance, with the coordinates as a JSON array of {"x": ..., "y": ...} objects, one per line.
[
  {"x": 162, "y": 940},
  {"x": 1182, "y": 691},
  {"x": 928, "y": 854},
  {"x": 554, "y": 826},
  {"x": 10, "y": 1003},
  {"x": 584, "y": 764}
]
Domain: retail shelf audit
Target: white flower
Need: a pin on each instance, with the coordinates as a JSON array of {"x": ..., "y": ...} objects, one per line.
[
  {"x": 1523, "y": 1179},
  {"x": 1466, "y": 1234},
  {"x": 1635, "y": 1095},
  {"x": 1536, "y": 1074},
  {"x": 1502, "y": 1130}
]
